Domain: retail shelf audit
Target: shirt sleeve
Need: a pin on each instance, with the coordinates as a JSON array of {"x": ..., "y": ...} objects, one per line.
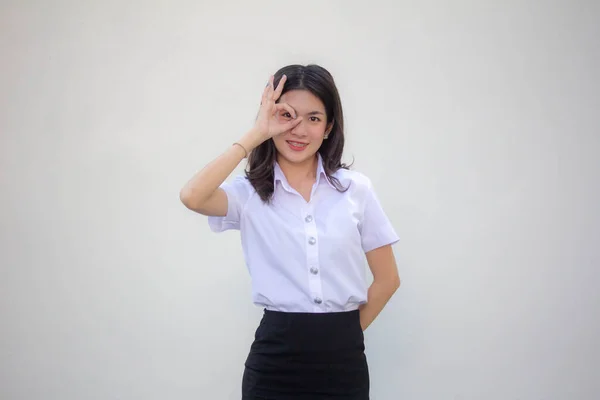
[
  {"x": 375, "y": 227},
  {"x": 238, "y": 192}
]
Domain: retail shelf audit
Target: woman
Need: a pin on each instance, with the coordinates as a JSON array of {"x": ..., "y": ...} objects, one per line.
[{"x": 307, "y": 225}]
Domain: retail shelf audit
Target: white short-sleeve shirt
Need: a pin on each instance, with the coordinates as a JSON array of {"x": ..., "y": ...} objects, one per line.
[{"x": 307, "y": 256}]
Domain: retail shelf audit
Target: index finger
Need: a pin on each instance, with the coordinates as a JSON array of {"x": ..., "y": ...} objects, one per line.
[{"x": 279, "y": 87}]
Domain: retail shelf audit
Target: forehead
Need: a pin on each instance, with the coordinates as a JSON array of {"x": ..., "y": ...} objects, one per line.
[{"x": 302, "y": 101}]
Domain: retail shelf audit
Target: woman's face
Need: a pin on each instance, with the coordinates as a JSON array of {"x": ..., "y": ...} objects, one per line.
[{"x": 302, "y": 142}]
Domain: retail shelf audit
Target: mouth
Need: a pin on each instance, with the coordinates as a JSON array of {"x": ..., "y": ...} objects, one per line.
[{"x": 296, "y": 146}]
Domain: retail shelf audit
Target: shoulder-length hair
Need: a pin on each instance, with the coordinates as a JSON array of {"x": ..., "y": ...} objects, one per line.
[{"x": 317, "y": 80}]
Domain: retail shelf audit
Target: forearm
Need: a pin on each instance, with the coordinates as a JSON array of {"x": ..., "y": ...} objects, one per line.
[
  {"x": 206, "y": 181},
  {"x": 379, "y": 293}
]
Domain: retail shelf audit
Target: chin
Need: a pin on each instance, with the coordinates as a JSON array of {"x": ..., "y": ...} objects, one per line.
[{"x": 297, "y": 158}]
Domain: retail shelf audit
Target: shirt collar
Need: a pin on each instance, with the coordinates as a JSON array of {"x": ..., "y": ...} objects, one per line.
[{"x": 278, "y": 174}]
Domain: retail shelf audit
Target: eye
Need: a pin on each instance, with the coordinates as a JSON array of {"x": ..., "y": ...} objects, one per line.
[
  {"x": 315, "y": 119},
  {"x": 286, "y": 115}
]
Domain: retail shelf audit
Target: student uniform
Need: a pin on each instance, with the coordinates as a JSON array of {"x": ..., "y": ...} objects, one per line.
[{"x": 308, "y": 270}]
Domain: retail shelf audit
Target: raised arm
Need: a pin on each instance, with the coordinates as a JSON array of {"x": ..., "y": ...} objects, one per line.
[{"x": 202, "y": 193}]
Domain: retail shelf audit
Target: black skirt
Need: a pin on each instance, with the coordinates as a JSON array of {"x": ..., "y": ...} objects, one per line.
[{"x": 307, "y": 356}]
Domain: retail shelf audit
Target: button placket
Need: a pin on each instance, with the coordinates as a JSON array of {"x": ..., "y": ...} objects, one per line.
[{"x": 312, "y": 258}]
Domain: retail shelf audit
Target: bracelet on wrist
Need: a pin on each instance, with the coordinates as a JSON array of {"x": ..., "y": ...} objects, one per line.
[{"x": 243, "y": 148}]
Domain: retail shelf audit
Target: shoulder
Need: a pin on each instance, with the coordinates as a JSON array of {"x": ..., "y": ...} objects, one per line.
[
  {"x": 240, "y": 187},
  {"x": 356, "y": 182},
  {"x": 241, "y": 180},
  {"x": 358, "y": 187}
]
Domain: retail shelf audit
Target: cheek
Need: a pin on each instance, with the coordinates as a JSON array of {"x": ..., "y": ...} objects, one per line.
[
  {"x": 279, "y": 141},
  {"x": 316, "y": 132}
]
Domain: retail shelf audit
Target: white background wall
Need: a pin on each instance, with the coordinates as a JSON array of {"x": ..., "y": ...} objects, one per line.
[{"x": 477, "y": 121}]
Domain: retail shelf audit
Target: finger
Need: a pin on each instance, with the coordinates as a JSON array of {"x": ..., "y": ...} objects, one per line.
[
  {"x": 270, "y": 88},
  {"x": 279, "y": 89},
  {"x": 293, "y": 123},
  {"x": 266, "y": 91},
  {"x": 286, "y": 107}
]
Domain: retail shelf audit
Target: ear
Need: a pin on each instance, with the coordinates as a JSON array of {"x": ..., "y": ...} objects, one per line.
[{"x": 329, "y": 129}]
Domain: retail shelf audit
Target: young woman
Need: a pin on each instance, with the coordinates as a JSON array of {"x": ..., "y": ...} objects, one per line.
[{"x": 309, "y": 227}]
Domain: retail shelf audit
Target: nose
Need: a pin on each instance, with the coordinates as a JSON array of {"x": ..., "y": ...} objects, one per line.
[{"x": 299, "y": 130}]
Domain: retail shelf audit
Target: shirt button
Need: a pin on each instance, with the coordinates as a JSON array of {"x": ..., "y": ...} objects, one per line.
[
  {"x": 312, "y": 240},
  {"x": 314, "y": 271},
  {"x": 308, "y": 218},
  {"x": 318, "y": 300}
]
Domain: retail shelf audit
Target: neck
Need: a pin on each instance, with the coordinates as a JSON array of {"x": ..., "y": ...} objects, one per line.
[{"x": 295, "y": 172}]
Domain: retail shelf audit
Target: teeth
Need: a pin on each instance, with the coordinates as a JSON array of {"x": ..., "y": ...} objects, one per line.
[{"x": 298, "y": 144}]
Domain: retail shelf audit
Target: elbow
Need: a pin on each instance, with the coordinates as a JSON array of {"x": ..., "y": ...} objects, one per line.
[
  {"x": 396, "y": 283},
  {"x": 194, "y": 201},
  {"x": 186, "y": 197},
  {"x": 389, "y": 283}
]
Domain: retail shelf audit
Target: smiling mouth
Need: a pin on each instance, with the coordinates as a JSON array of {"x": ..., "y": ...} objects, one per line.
[{"x": 297, "y": 146}]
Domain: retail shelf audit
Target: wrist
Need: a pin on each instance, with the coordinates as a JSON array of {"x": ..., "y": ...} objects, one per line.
[{"x": 251, "y": 139}]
